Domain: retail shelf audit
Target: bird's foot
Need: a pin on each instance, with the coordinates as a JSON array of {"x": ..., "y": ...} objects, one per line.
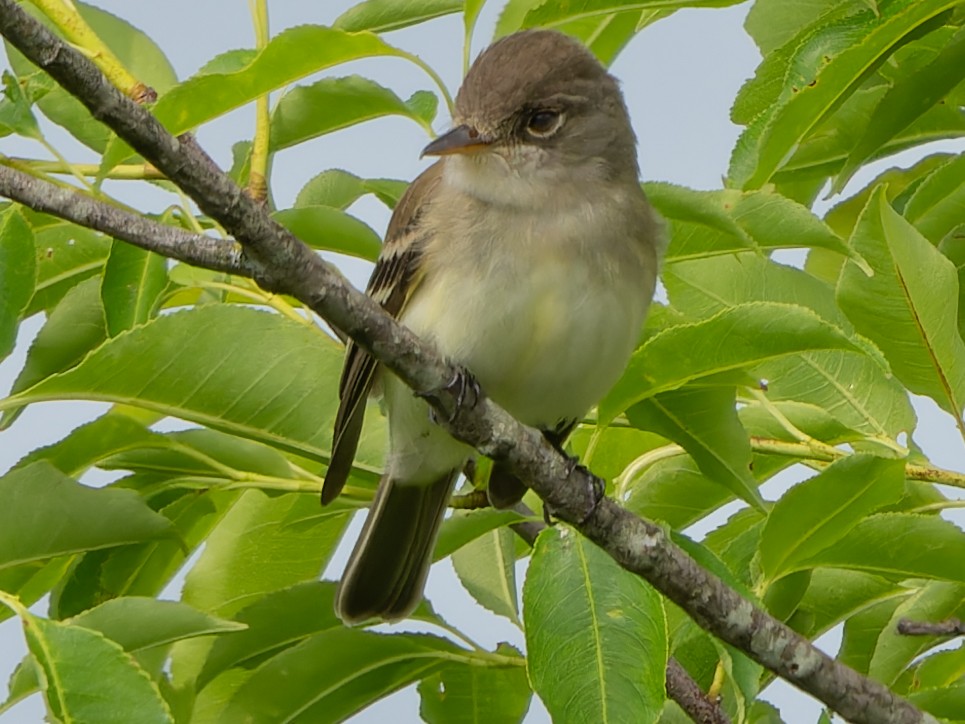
[{"x": 463, "y": 386}]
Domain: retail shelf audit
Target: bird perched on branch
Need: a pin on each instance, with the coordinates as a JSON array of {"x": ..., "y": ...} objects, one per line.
[{"x": 528, "y": 256}]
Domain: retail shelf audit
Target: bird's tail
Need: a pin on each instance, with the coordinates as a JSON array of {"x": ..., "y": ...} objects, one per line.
[{"x": 388, "y": 567}]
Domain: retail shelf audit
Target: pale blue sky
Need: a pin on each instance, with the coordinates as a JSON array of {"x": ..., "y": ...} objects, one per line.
[{"x": 679, "y": 77}]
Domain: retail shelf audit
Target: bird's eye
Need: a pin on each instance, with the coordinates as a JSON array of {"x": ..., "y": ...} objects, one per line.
[{"x": 544, "y": 123}]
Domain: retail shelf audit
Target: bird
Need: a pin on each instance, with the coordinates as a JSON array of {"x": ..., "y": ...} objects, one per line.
[{"x": 527, "y": 255}]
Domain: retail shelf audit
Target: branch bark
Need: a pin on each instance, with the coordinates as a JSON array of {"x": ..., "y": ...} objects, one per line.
[{"x": 283, "y": 264}]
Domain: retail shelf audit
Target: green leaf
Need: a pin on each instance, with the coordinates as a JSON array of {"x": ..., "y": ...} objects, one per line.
[
  {"x": 142, "y": 569},
  {"x": 465, "y": 526},
  {"x": 703, "y": 421},
  {"x": 381, "y": 16},
  {"x": 906, "y": 100},
  {"x": 340, "y": 189},
  {"x": 486, "y": 567},
  {"x": 702, "y": 287},
  {"x": 276, "y": 621},
  {"x": 16, "y": 115},
  {"x": 937, "y": 205},
  {"x": 711, "y": 223},
  {"x": 945, "y": 702},
  {"x": 202, "y": 366},
  {"x": 755, "y": 332},
  {"x": 933, "y": 601},
  {"x": 825, "y": 64},
  {"x": 257, "y": 547},
  {"x": 837, "y": 594},
  {"x": 904, "y": 307},
  {"x": 902, "y": 544},
  {"x": 549, "y": 14},
  {"x": 18, "y": 275},
  {"x": 90, "y": 443},
  {"x": 134, "y": 280},
  {"x": 336, "y": 673},
  {"x": 861, "y": 632},
  {"x": 329, "y": 229},
  {"x": 330, "y": 104},
  {"x": 74, "y": 328},
  {"x": 771, "y": 23},
  {"x": 138, "y": 623},
  {"x": 290, "y": 55},
  {"x": 136, "y": 51},
  {"x": 87, "y": 677},
  {"x": 462, "y": 694},
  {"x": 855, "y": 389},
  {"x": 816, "y": 514},
  {"x": 45, "y": 514},
  {"x": 587, "y": 622},
  {"x": 66, "y": 255}
]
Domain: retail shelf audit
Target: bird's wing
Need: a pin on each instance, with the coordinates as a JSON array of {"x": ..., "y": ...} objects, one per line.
[{"x": 395, "y": 277}]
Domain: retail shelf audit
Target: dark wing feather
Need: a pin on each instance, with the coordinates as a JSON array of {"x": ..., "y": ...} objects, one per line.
[{"x": 391, "y": 284}]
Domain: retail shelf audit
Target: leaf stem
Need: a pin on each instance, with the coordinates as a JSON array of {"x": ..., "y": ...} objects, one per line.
[
  {"x": 63, "y": 14},
  {"x": 258, "y": 172},
  {"x": 127, "y": 172}
]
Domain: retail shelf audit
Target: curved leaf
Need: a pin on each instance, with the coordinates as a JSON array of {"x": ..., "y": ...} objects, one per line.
[
  {"x": 329, "y": 104},
  {"x": 904, "y": 307},
  {"x": 44, "y": 514},
  {"x": 754, "y": 332},
  {"x": 381, "y": 16}
]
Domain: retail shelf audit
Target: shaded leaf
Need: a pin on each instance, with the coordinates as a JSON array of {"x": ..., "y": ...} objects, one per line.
[
  {"x": 74, "y": 328},
  {"x": 335, "y": 673},
  {"x": 486, "y": 566},
  {"x": 133, "y": 282},
  {"x": 18, "y": 275},
  {"x": 66, "y": 255},
  {"x": 278, "y": 620},
  {"x": 937, "y": 205},
  {"x": 704, "y": 422},
  {"x": 45, "y": 514},
  {"x": 462, "y": 694}
]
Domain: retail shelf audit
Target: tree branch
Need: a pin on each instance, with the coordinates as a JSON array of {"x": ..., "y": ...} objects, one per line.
[
  {"x": 283, "y": 264},
  {"x": 949, "y": 627},
  {"x": 197, "y": 249}
]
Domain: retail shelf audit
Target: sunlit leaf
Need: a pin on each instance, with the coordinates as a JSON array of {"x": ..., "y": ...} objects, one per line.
[{"x": 587, "y": 621}]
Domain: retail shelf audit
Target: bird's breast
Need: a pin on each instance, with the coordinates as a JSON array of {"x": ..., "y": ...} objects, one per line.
[{"x": 546, "y": 318}]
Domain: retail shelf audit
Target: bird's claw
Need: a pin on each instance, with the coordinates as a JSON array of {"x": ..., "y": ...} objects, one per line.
[{"x": 463, "y": 385}]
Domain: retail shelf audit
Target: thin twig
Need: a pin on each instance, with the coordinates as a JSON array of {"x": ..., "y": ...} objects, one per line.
[{"x": 948, "y": 627}]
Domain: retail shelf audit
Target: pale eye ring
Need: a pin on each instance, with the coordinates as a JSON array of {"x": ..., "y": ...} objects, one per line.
[{"x": 544, "y": 123}]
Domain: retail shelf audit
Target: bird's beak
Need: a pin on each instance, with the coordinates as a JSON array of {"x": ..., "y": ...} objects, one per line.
[{"x": 461, "y": 139}]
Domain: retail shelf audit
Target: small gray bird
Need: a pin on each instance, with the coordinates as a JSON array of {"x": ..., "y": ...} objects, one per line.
[{"x": 528, "y": 255}]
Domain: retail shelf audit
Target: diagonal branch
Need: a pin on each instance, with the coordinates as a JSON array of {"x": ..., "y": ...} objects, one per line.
[{"x": 281, "y": 263}]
